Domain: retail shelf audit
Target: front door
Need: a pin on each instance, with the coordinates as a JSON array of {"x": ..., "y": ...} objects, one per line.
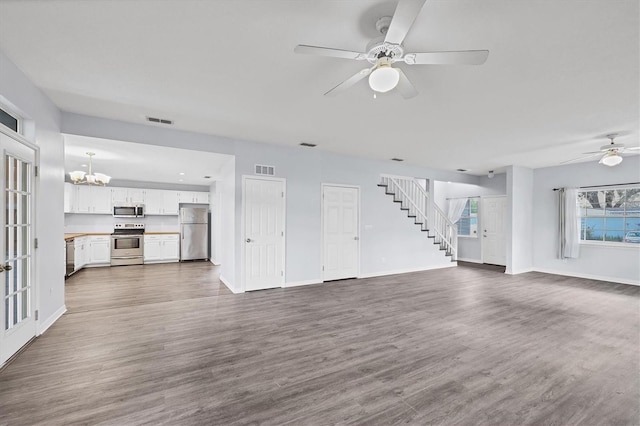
[
  {"x": 264, "y": 233},
  {"x": 493, "y": 232},
  {"x": 16, "y": 266},
  {"x": 340, "y": 232}
]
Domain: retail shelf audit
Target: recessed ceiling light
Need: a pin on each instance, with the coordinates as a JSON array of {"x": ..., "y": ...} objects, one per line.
[
  {"x": 83, "y": 165},
  {"x": 180, "y": 180},
  {"x": 181, "y": 174}
]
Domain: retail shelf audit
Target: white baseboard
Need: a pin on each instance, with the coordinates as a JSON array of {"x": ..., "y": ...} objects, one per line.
[
  {"x": 214, "y": 262},
  {"x": 518, "y": 271},
  {"x": 588, "y": 276},
  {"x": 229, "y": 285},
  {"x": 405, "y": 271},
  {"x": 299, "y": 283},
  {"x": 469, "y": 260},
  {"x": 44, "y": 325}
]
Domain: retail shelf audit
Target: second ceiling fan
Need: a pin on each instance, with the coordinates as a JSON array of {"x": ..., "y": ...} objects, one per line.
[{"x": 382, "y": 52}]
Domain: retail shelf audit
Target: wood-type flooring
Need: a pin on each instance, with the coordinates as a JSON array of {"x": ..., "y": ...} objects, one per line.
[{"x": 169, "y": 344}]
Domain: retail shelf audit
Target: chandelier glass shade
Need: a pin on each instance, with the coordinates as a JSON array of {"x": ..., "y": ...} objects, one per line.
[{"x": 78, "y": 177}]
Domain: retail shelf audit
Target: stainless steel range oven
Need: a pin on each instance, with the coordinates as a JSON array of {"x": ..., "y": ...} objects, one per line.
[{"x": 127, "y": 244}]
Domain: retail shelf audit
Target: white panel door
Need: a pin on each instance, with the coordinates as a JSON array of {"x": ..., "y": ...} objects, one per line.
[
  {"x": 264, "y": 233},
  {"x": 17, "y": 309},
  {"x": 340, "y": 232},
  {"x": 493, "y": 230}
]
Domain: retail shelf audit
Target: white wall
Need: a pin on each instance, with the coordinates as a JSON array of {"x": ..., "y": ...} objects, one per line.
[
  {"x": 470, "y": 249},
  {"x": 611, "y": 263},
  {"x": 519, "y": 220},
  {"x": 389, "y": 240},
  {"x": 45, "y": 132},
  {"x": 227, "y": 211}
]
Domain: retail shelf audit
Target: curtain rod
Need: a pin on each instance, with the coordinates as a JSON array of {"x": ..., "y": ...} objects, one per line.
[
  {"x": 603, "y": 186},
  {"x": 460, "y": 198}
]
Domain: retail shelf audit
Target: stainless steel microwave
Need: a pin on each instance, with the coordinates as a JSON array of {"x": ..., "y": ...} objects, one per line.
[{"x": 129, "y": 211}]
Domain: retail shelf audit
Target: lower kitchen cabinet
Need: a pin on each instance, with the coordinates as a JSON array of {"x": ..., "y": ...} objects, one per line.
[
  {"x": 161, "y": 248},
  {"x": 100, "y": 250}
]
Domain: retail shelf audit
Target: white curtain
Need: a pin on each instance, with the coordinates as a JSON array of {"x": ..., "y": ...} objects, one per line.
[
  {"x": 569, "y": 220},
  {"x": 455, "y": 209}
]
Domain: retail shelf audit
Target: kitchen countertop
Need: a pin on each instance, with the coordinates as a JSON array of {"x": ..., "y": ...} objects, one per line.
[{"x": 71, "y": 236}]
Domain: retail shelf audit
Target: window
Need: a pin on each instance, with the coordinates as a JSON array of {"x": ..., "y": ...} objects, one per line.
[
  {"x": 610, "y": 215},
  {"x": 468, "y": 223},
  {"x": 9, "y": 120}
]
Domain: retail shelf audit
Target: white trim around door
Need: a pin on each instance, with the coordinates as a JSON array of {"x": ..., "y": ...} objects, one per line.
[
  {"x": 263, "y": 233},
  {"x": 340, "y": 223}
]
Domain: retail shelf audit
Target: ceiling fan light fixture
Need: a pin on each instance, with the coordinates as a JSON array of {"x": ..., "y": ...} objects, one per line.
[
  {"x": 76, "y": 176},
  {"x": 384, "y": 78},
  {"x": 611, "y": 159}
]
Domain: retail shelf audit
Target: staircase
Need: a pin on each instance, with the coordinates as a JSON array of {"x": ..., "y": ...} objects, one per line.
[{"x": 416, "y": 202}]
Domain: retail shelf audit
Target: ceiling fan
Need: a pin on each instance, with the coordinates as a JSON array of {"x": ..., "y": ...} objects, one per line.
[
  {"x": 382, "y": 52},
  {"x": 611, "y": 153}
]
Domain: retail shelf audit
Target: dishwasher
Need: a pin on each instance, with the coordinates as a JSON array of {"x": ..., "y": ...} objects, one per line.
[{"x": 71, "y": 257}]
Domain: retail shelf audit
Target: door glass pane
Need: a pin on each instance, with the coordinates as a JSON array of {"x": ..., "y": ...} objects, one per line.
[{"x": 17, "y": 253}]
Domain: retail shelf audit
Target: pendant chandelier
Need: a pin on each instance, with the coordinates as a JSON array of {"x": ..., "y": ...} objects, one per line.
[{"x": 79, "y": 177}]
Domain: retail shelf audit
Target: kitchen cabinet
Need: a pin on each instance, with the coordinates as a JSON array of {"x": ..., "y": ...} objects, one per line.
[
  {"x": 161, "y": 202},
  {"x": 87, "y": 199},
  {"x": 92, "y": 199},
  {"x": 69, "y": 198},
  {"x": 127, "y": 196},
  {"x": 99, "y": 250},
  {"x": 81, "y": 250},
  {"x": 193, "y": 197},
  {"x": 161, "y": 248}
]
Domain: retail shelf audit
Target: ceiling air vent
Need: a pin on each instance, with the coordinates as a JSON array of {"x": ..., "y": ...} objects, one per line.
[
  {"x": 159, "y": 120},
  {"x": 397, "y": 159},
  {"x": 307, "y": 144},
  {"x": 462, "y": 170},
  {"x": 265, "y": 170}
]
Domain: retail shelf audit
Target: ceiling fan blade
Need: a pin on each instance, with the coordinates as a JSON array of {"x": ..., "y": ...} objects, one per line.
[
  {"x": 461, "y": 57},
  {"x": 406, "y": 12},
  {"x": 406, "y": 89},
  {"x": 595, "y": 152},
  {"x": 580, "y": 158},
  {"x": 328, "y": 51},
  {"x": 349, "y": 82},
  {"x": 633, "y": 148}
]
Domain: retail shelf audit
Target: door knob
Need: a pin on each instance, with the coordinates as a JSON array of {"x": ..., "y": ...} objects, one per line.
[
  {"x": 249, "y": 240},
  {"x": 5, "y": 268},
  {"x": 356, "y": 238}
]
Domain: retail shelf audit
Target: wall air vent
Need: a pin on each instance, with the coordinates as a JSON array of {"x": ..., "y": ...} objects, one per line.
[
  {"x": 307, "y": 144},
  {"x": 397, "y": 159},
  {"x": 159, "y": 120},
  {"x": 265, "y": 170}
]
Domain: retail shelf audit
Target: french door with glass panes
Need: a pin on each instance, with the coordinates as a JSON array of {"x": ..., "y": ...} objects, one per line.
[{"x": 16, "y": 246}]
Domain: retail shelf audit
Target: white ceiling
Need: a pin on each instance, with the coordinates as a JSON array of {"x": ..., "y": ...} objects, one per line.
[
  {"x": 127, "y": 161},
  {"x": 560, "y": 74}
]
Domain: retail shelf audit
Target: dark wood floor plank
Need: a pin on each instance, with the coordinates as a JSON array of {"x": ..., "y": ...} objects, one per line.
[{"x": 169, "y": 344}]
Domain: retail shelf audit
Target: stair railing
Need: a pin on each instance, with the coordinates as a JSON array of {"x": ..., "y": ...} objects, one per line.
[{"x": 414, "y": 198}]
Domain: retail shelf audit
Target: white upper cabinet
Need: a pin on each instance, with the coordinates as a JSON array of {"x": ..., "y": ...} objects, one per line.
[
  {"x": 69, "y": 198},
  {"x": 127, "y": 196},
  {"x": 161, "y": 202},
  {"x": 153, "y": 201},
  {"x": 193, "y": 197},
  {"x": 90, "y": 199}
]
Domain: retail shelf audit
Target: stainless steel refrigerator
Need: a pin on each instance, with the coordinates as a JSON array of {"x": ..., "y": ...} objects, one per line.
[{"x": 194, "y": 232}]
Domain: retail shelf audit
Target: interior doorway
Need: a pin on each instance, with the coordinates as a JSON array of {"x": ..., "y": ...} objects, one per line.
[
  {"x": 18, "y": 307},
  {"x": 264, "y": 208},
  {"x": 340, "y": 231},
  {"x": 493, "y": 230}
]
